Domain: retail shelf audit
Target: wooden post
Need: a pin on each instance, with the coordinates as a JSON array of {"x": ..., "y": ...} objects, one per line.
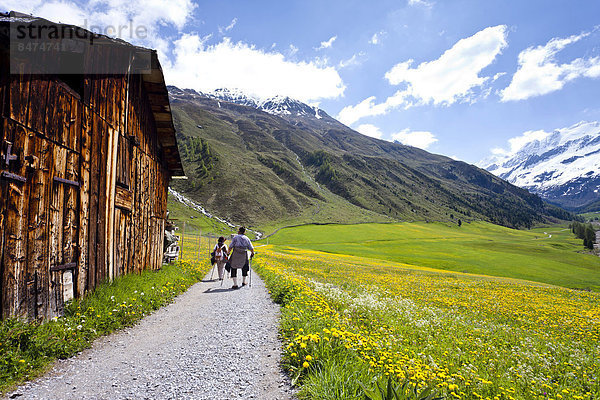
[
  {"x": 182, "y": 240},
  {"x": 209, "y": 242},
  {"x": 111, "y": 185},
  {"x": 199, "y": 247}
]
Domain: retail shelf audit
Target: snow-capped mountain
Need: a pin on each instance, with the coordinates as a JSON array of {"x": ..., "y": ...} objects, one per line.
[
  {"x": 563, "y": 167},
  {"x": 277, "y": 105},
  {"x": 234, "y": 96},
  {"x": 283, "y": 105}
]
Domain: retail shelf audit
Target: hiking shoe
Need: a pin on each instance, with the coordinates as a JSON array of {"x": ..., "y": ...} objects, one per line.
[
  {"x": 235, "y": 287},
  {"x": 244, "y": 284}
]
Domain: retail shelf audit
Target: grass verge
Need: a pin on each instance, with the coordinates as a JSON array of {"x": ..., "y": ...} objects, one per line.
[{"x": 28, "y": 349}]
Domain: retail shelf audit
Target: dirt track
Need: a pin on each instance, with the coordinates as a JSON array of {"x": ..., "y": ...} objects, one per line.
[{"x": 212, "y": 343}]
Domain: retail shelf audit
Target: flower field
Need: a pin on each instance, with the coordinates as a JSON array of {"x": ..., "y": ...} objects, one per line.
[{"x": 347, "y": 319}]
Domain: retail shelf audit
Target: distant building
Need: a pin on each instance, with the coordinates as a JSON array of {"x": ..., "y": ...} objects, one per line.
[{"x": 87, "y": 149}]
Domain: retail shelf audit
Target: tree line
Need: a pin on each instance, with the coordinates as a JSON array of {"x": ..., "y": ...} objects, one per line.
[
  {"x": 197, "y": 151},
  {"x": 585, "y": 232}
]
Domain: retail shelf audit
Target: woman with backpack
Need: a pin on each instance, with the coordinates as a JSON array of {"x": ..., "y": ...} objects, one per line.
[{"x": 221, "y": 253}]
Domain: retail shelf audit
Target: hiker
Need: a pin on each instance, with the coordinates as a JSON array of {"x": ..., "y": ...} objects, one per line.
[
  {"x": 220, "y": 253},
  {"x": 240, "y": 244}
]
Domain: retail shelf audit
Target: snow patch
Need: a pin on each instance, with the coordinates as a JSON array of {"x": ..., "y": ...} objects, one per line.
[
  {"x": 566, "y": 156},
  {"x": 186, "y": 201}
]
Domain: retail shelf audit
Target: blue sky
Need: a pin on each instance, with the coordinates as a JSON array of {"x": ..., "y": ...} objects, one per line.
[{"x": 458, "y": 78}]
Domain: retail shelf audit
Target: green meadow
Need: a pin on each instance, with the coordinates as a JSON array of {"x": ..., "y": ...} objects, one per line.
[{"x": 549, "y": 255}]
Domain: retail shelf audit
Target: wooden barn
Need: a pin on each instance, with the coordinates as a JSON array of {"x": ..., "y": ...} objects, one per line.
[{"x": 85, "y": 161}]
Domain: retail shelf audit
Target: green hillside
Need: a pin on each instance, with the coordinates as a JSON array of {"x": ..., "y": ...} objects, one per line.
[
  {"x": 238, "y": 186},
  {"x": 195, "y": 221},
  {"x": 259, "y": 169},
  {"x": 549, "y": 255},
  {"x": 591, "y": 216}
]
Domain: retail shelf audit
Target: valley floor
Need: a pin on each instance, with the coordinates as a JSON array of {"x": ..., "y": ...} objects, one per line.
[{"x": 212, "y": 343}]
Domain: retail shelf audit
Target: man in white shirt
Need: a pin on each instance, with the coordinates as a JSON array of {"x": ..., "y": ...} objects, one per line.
[{"x": 239, "y": 247}]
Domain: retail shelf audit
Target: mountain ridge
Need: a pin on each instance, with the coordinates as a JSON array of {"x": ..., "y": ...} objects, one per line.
[
  {"x": 276, "y": 105},
  {"x": 303, "y": 169},
  {"x": 563, "y": 167}
]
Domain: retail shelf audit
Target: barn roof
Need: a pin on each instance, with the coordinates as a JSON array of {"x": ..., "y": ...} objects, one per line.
[
  {"x": 161, "y": 108},
  {"x": 154, "y": 83}
]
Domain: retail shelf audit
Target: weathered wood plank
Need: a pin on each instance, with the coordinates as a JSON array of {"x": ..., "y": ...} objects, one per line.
[
  {"x": 123, "y": 199},
  {"x": 133, "y": 232},
  {"x": 56, "y": 220},
  {"x": 121, "y": 250},
  {"x": 37, "y": 241},
  {"x": 14, "y": 260},
  {"x": 19, "y": 94},
  {"x": 70, "y": 221},
  {"x": 84, "y": 201},
  {"x": 52, "y": 112},
  {"x": 102, "y": 258},
  {"x": 38, "y": 101},
  {"x": 147, "y": 212},
  {"x": 73, "y": 122},
  {"x": 111, "y": 184}
]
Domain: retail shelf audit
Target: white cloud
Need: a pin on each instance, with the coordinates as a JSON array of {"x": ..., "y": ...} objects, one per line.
[
  {"x": 194, "y": 63},
  {"x": 350, "y": 114},
  {"x": 63, "y": 12},
  {"x": 292, "y": 52},
  {"x": 498, "y": 76},
  {"x": 422, "y": 3},
  {"x": 518, "y": 142},
  {"x": 231, "y": 25},
  {"x": 420, "y": 139},
  {"x": 24, "y": 6},
  {"x": 377, "y": 37},
  {"x": 499, "y": 154},
  {"x": 370, "y": 130},
  {"x": 327, "y": 44},
  {"x": 451, "y": 78},
  {"x": 498, "y": 151},
  {"x": 539, "y": 73},
  {"x": 149, "y": 15},
  {"x": 353, "y": 61},
  {"x": 255, "y": 71},
  {"x": 454, "y": 75}
]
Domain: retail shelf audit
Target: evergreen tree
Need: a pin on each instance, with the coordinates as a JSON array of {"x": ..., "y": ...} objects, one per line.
[{"x": 589, "y": 237}]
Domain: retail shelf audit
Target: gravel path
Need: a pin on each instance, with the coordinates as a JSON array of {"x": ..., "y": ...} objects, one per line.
[{"x": 212, "y": 343}]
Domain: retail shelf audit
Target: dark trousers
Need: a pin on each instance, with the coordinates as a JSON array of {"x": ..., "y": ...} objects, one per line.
[{"x": 245, "y": 270}]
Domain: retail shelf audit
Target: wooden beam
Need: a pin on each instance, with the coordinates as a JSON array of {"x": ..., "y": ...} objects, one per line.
[
  {"x": 63, "y": 267},
  {"x": 66, "y": 181},
  {"x": 10, "y": 176}
]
